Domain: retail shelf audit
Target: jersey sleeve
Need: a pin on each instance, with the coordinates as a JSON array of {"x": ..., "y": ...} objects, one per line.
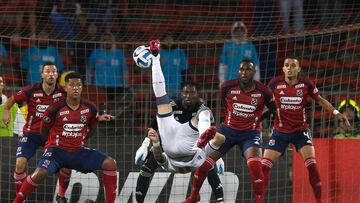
[
  {"x": 94, "y": 117},
  {"x": 313, "y": 90},
  {"x": 205, "y": 108},
  {"x": 269, "y": 97},
  {"x": 22, "y": 95}
]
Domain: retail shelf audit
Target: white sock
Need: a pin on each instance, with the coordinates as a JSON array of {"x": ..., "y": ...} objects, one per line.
[{"x": 158, "y": 80}]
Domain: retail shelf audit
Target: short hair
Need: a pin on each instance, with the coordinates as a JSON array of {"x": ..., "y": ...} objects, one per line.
[
  {"x": 190, "y": 83},
  {"x": 72, "y": 75},
  {"x": 47, "y": 63},
  {"x": 247, "y": 60}
]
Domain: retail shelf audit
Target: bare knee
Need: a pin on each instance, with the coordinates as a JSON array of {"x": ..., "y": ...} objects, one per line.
[
  {"x": 39, "y": 175},
  {"x": 218, "y": 139},
  {"x": 109, "y": 164},
  {"x": 21, "y": 163}
]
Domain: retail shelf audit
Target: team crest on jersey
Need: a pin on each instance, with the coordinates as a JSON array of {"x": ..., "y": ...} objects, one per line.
[
  {"x": 83, "y": 119},
  {"x": 299, "y": 93},
  {"x": 254, "y": 101},
  {"x": 47, "y": 119},
  {"x": 271, "y": 142}
]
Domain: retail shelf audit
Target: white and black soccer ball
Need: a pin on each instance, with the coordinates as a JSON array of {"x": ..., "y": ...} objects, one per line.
[{"x": 142, "y": 56}]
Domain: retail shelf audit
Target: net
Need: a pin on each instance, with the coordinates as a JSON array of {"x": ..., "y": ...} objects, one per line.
[{"x": 323, "y": 35}]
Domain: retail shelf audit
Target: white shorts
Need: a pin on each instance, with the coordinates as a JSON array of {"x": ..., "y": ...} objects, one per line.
[{"x": 178, "y": 166}]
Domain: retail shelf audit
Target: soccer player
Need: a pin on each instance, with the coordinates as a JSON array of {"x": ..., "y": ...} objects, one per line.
[
  {"x": 38, "y": 97},
  {"x": 184, "y": 109},
  {"x": 181, "y": 149},
  {"x": 245, "y": 102},
  {"x": 291, "y": 94},
  {"x": 68, "y": 123}
]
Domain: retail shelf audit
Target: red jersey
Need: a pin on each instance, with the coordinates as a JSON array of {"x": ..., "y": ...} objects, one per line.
[
  {"x": 244, "y": 109},
  {"x": 38, "y": 101},
  {"x": 291, "y": 102},
  {"x": 69, "y": 128}
]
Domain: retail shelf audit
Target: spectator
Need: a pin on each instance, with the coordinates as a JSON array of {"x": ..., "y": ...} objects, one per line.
[
  {"x": 296, "y": 6},
  {"x": 35, "y": 56},
  {"x": 107, "y": 67},
  {"x": 236, "y": 51},
  {"x": 174, "y": 64},
  {"x": 351, "y": 110}
]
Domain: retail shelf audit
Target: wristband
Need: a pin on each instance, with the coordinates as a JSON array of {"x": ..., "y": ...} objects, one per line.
[
  {"x": 336, "y": 112},
  {"x": 156, "y": 144}
]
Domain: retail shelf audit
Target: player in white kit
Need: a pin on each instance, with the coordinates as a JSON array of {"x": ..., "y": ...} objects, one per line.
[{"x": 181, "y": 149}]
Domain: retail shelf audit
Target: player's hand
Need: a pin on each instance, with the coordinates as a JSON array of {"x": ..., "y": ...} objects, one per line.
[
  {"x": 106, "y": 117},
  {"x": 220, "y": 166},
  {"x": 152, "y": 134},
  {"x": 343, "y": 119},
  {"x": 142, "y": 152},
  {"x": 155, "y": 47},
  {"x": 6, "y": 117}
]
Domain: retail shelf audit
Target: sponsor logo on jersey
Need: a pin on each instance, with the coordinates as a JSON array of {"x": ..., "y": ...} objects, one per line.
[
  {"x": 38, "y": 95},
  {"x": 64, "y": 112},
  {"x": 281, "y": 92},
  {"x": 73, "y": 127},
  {"x": 300, "y": 85},
  {"x": 315, "y": 90},
  {"x": 244, "y": 107},
  {"x": 41, "y": 107},
  {"x": 57, "y": 95},
  {"x": 234, "y": 98},
  {"x": 299, "y": 93},
  {"x": 289, "y": 107},
  {"x": 256, "y": 95},
  {"x": 242, "y": 114},
  {"x": 281, "y": 87},
  {"x": 84, "y": 111},
  {"x": 235, "y": 92},
  {"x": 290, "y": 100}
]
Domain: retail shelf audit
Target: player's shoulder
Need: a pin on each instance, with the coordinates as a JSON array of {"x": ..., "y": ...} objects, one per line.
[
  {"x": 31, "y": 88},
  {"x": 55, "y": 107},
  {"x": 261, "y": 87},
  {"x": 230, "y": 83},
  {"x": 276, "y": 80},
  {"x": 306, "y": 81},
  {"x": 89, "y": 104}
]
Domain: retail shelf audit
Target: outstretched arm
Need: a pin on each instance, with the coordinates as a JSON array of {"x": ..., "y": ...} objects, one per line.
[
  {"x": 329, "y": 107},
  {"x": 7, "y": 106}
]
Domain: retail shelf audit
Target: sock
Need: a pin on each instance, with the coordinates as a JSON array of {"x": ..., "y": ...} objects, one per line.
[
  {"x": 200, "y": 175},
  {"x": 146, "y": 173},
  {"x": 216, "y": 186},
  {"x": 64, "y": 179},
  {"x": 267, "y": 164},
  {"x": 26, "y": 189},
  {"x": 257, "y": 176},
  {"x": 109, "y": 181},
  {"x": 210, "y": 147},
  {"x": 158, "y": 80},
  {"x": 18, "y": 180},
  {"x": 314, "y": 177}
]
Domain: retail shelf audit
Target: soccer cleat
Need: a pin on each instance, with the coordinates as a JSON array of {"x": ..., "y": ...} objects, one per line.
[
  {"x": 60, "y": 199},
  {"x": 206, "y": 136},
  {"x": 155, "y": 47},
  {"x": 191, "y": 199}
]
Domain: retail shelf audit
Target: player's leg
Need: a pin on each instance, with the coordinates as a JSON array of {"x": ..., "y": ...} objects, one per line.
[
  {"x": 303, "y": 144},
  {"x": 253, "y": 160},
  {"x": 64, "y": 179},
  {"x": 110, "y": 179},
  {"x": 216, "y": 186},
  {"x": 276, "y": 146},
  {"x": 158, "y": 81},
  {"x": 27, "y": 147},
  {"x": 146, "y": 173}
]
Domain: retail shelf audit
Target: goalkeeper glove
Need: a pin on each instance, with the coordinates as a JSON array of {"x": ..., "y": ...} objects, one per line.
[
  {"x": 142, "y": 152},
  {"x": 220, "y": 166}
]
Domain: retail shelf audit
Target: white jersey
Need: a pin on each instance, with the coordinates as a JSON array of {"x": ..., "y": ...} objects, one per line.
[{"x": 179, "y": 143}]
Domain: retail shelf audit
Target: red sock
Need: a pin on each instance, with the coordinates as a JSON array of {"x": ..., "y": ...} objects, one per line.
[
  {"x": 267, "y": 164},
  {"x": 314, "y": 177},
  {"x": 257, "y": 176},
  {"x": 200, "y": 175},
  {"x": 64, "y": 179},
  {"x": 109, "y": 181},
  {"x": 26, "y": 189},
  {"x": 18, "y": 180}
]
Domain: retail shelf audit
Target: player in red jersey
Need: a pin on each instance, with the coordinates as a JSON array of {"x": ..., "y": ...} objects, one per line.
[
  {"x": 245, "y": 102},
  {"x": 68, "y": 123},
  {"x": 291, "y": 94},
  {"x": 38, "y": 97}
]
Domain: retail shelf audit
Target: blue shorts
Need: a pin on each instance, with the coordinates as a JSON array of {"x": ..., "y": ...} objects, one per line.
[
  {"x": 84, "y": 160},
  {"x": 279, "y": 141},
  {"x": 28, "y": 145},
  {"x": 243, "y": 139}
]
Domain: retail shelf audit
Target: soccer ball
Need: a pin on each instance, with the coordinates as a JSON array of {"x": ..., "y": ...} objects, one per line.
[{"x": 142, "y": 56}]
